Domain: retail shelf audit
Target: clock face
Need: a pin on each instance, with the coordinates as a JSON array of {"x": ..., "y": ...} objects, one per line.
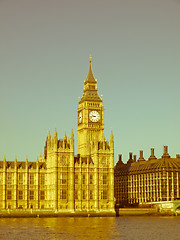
[
  {"x": 80, "y": 117},
  {"x": 94, "y": 116}
]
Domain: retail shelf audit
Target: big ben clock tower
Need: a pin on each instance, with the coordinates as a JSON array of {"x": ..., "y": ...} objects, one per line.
[
  {"x": 90, "y": 114},
  {"x": 96, "y": 155}
]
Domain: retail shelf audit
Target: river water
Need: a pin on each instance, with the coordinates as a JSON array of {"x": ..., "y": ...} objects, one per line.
[{"x": 123, "y": 228}]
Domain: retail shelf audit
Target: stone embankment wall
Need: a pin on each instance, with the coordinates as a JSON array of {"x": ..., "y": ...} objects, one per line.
[{"x": 136, "y": 211}]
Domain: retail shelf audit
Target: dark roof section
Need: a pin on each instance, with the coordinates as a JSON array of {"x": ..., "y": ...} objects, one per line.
[{"x": 154, "y": 165}]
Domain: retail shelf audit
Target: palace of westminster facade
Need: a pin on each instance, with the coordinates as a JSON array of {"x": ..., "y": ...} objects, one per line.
[
  {"x": 88, "y": 182},
  {"x": 59, "y": 180}
]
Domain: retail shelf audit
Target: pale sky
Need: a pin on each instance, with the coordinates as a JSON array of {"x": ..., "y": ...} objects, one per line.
[{"x": 44, "y": 60}]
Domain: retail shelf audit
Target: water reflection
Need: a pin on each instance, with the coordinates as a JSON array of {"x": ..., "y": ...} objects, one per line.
[{"x": 123, "y": 228}]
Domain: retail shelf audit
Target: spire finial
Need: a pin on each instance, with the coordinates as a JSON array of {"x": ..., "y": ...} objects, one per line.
[
  {"x": 55, "y": 133},
  {"x": 90, "y": 57}
]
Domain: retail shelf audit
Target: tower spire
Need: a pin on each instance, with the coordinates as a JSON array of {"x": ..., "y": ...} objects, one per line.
[{"x": 90, "y": 77}]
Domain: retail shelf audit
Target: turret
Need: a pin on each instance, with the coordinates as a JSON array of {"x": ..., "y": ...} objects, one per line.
[
  {"x": 55, "y": 139},
  {"x": 4, "y": 162},
  {"x": 48, "y": 140},
  {"x": 55, "y": 135},
  {"x": 104, "y": 141},
  {"x": 72, "y": 141},
  {"x": 26, "y": 163},
  {"x": 65, "y": 137},
  {"x": 37, "y": 164},
  {"x": 64, "y": 140},
  {"x": 112, "y": 142}
]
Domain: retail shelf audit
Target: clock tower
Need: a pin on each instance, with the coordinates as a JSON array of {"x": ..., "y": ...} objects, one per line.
[
  {"x": 96, "y": 155},
  {"x": 90, "y": 115}
]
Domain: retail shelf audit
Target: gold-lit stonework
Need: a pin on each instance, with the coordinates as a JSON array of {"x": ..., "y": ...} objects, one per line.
[{"x": 59, "y": 180}]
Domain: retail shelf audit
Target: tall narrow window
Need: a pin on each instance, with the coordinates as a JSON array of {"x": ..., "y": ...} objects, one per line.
[
  {"x": 9, "y": 179},
  {"x": 42, "y": 195},
  {"x": 63, "y": 178},
  {"x": 91, "y": 194},
  {"x": 91, "y": 179},
  {"x": 76, "y": 178},
  {"x": 31, "y": 195},
  {"x": 104, "y": 194},
  {"x": 104, "y": 161},
  {"x": 104, "y": 179},
  {"x": 21, "y": 175},
  {"x": 9, "y": 194},
  {"x": 84, "y": 194},
  {"x": 42, "y": 179},
  {"x": 63, "y": 194},
  {"x": 76, "y": 194},
  {"x": 20, "y": 193},
  {"x": 83, "y": 179},
  {"x": 31, "y": 180},
  {"x": 64, "y": 161}
]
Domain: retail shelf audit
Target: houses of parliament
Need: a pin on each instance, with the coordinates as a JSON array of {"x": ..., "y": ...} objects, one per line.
[
  {"x": 59, "y": 180},
  {"x": 88, "y": 182}
]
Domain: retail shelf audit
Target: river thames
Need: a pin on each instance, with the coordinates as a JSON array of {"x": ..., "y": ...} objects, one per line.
[{"x": 123, "y": 228}]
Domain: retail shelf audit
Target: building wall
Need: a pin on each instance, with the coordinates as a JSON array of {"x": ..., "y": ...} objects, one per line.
[
  {"x": 143, "y": 181},
  {"x": 60, "y": 180},
  {"x": 22, "y": 185}
]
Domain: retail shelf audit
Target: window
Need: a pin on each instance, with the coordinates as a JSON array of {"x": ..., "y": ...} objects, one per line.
[
  {"x": 42, "y": 195},
  {"x": 103, "y": 161},
  {"x": 20, "y": 194},
  {"x": 31, "y": 179},
  {"x": 76, "y": 178},
  {"x": 83, "y": 179},
  {"x": 9, "y": 195},
  {"x": 31, "y": 195},
  {"x": 104, "y": 194},
  {"x": 91, "y": 194},
  {"x": 9, "y": 179},
  {"x": 63, "y": 178},
  {"x": 63, "y": 194},
  {"x": 76, "y": 194},
  {"x": 84, "y": 194},
  {"x": 20, "y": 178},
  {"x": 104, "y": 179},
  {"x": 91, "y": 179},
  {"x": 42, "y": 179},
  {"x": 64, "y": 162}
]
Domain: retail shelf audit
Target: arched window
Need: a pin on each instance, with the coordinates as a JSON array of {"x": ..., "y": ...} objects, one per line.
[
  {"x": 64, "y": 161},
  {"x": 103, "y": 161}
]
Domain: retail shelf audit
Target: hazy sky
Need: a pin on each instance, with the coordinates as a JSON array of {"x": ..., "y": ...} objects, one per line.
[{"x": 44, "y": 60}]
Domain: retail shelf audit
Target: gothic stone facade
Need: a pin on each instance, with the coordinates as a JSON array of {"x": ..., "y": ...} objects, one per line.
[
  {"x": 147, "y": 181},
  {"x": 60, "y": 180}
]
